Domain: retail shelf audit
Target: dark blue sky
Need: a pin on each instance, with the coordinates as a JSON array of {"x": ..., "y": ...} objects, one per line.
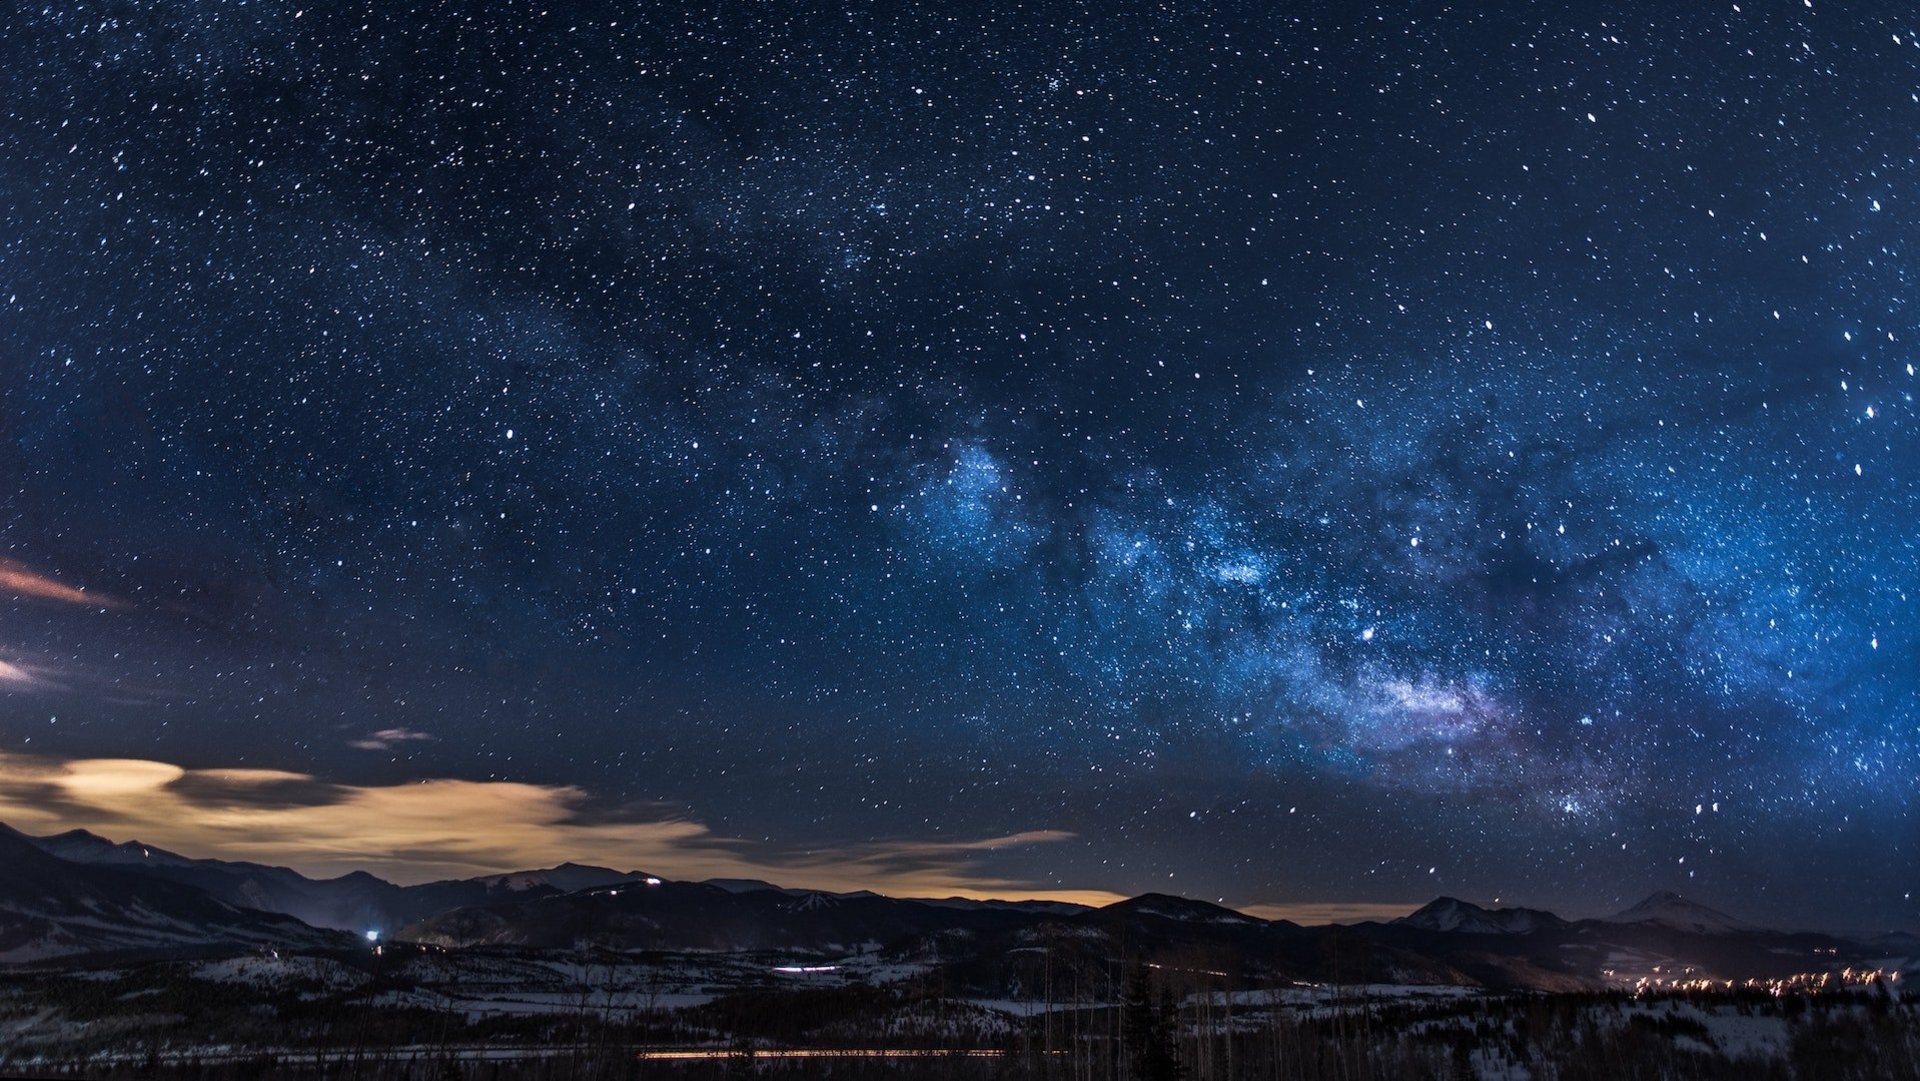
[{"x": 1324, "y": 453}]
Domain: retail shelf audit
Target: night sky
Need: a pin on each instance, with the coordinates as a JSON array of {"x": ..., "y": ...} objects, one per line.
[{"x": 1313, "y": 455}]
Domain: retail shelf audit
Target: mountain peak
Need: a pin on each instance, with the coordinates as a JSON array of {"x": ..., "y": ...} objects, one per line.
[
  {"x": 1185, "y": 909},
  {"x": 1453, "y": 914},
  {"x": 1665, "y": 908},
  {"x": 565, "y": 877},
  {"x": 1443, "y": 914},
  {"x": 749, "y": 885},
  {"x": 84, "y": 846},
  {"x": 78, "y": 835}
]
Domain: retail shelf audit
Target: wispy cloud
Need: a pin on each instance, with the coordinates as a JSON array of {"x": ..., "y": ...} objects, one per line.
[
  {"x": 444, "y": 827},
  {"x": 388, "y": 738},
  {"x": 23, "y": 581},
  {"x": 922, "y": 868},
  {"x": 20, "y": 677}
]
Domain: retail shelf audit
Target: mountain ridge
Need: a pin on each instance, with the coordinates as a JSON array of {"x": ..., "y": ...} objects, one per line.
[
  {"x": 52, "y": 908},
  {"x": 1665, "y": 908},
  {"x": 1444, "y": 913},
  {"x": 135, "y": 897},
  {"x": 1453, "y": 914}
]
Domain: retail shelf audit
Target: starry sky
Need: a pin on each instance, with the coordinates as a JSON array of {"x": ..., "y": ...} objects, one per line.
[{"x": 1317, "y": 456}]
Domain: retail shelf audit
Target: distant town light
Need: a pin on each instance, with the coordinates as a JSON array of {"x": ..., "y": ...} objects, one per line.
[{"x": 373, "y": 936}]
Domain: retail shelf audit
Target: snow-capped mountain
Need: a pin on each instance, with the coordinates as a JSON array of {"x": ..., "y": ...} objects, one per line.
[{"x": 1674, "y": 912}]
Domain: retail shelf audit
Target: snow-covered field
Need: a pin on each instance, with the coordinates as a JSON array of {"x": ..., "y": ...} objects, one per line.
[
  {"x": 479, "y": 984},
  {"x": 272, "y": 970}
]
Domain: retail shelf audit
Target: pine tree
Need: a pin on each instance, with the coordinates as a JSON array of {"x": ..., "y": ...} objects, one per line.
[{"x": 1149, "y": 1031}]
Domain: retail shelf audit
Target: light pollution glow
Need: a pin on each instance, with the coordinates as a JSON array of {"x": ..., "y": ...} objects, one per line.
[{"x": 423, "y": 830}]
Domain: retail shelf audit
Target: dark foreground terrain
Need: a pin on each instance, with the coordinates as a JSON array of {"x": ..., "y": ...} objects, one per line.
[
  {"x": 420, "y": 1013},
  {"x": 120, "y": 960}
]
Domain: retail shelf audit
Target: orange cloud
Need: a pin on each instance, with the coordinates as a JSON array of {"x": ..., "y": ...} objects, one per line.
[
  {"x": 907, "y": 868},
  {"x": 444, "y": 828},
  {"x": 21, "y": 580}
]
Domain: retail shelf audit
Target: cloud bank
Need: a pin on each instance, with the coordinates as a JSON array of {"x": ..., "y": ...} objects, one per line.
[{"x": 445, "y": 828}]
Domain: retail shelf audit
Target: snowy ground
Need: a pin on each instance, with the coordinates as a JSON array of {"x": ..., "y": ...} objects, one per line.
[
  {"x": 479, "y": 984},
  {"x": 510, "y": 991}
]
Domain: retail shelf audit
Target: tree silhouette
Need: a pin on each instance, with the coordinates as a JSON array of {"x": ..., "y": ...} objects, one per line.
[{"x": 1149, "y": 1031}]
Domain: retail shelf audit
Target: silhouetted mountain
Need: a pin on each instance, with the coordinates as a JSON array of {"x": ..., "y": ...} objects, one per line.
[
  {"x": 702, "y": 916},
  {"x": 81, "y": 846},
  {"x": 1184, "y": 909},
  {"x": 1050, "y": 908},
  {"x": 50, "y": 907},
  {"x": 755, "y": 885},
  {"x": 107, "y": 895},
  {"x": 750, "y": 885},
  {"x": 565, "y": 878},
  {"x": 1663, "y": 940},
  {"x": 1453, "y": 914},
  {"x": 355, "y": 902}
]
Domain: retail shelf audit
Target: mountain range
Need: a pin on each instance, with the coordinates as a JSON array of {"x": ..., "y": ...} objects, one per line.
[
  {"x": 52, "y": 907},
  {"x": 77, "y": 895},
  {"x": 357, "y": 902}
]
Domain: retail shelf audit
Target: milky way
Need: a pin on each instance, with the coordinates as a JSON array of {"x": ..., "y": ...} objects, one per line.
[{"x": 1336, "y": 453}]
